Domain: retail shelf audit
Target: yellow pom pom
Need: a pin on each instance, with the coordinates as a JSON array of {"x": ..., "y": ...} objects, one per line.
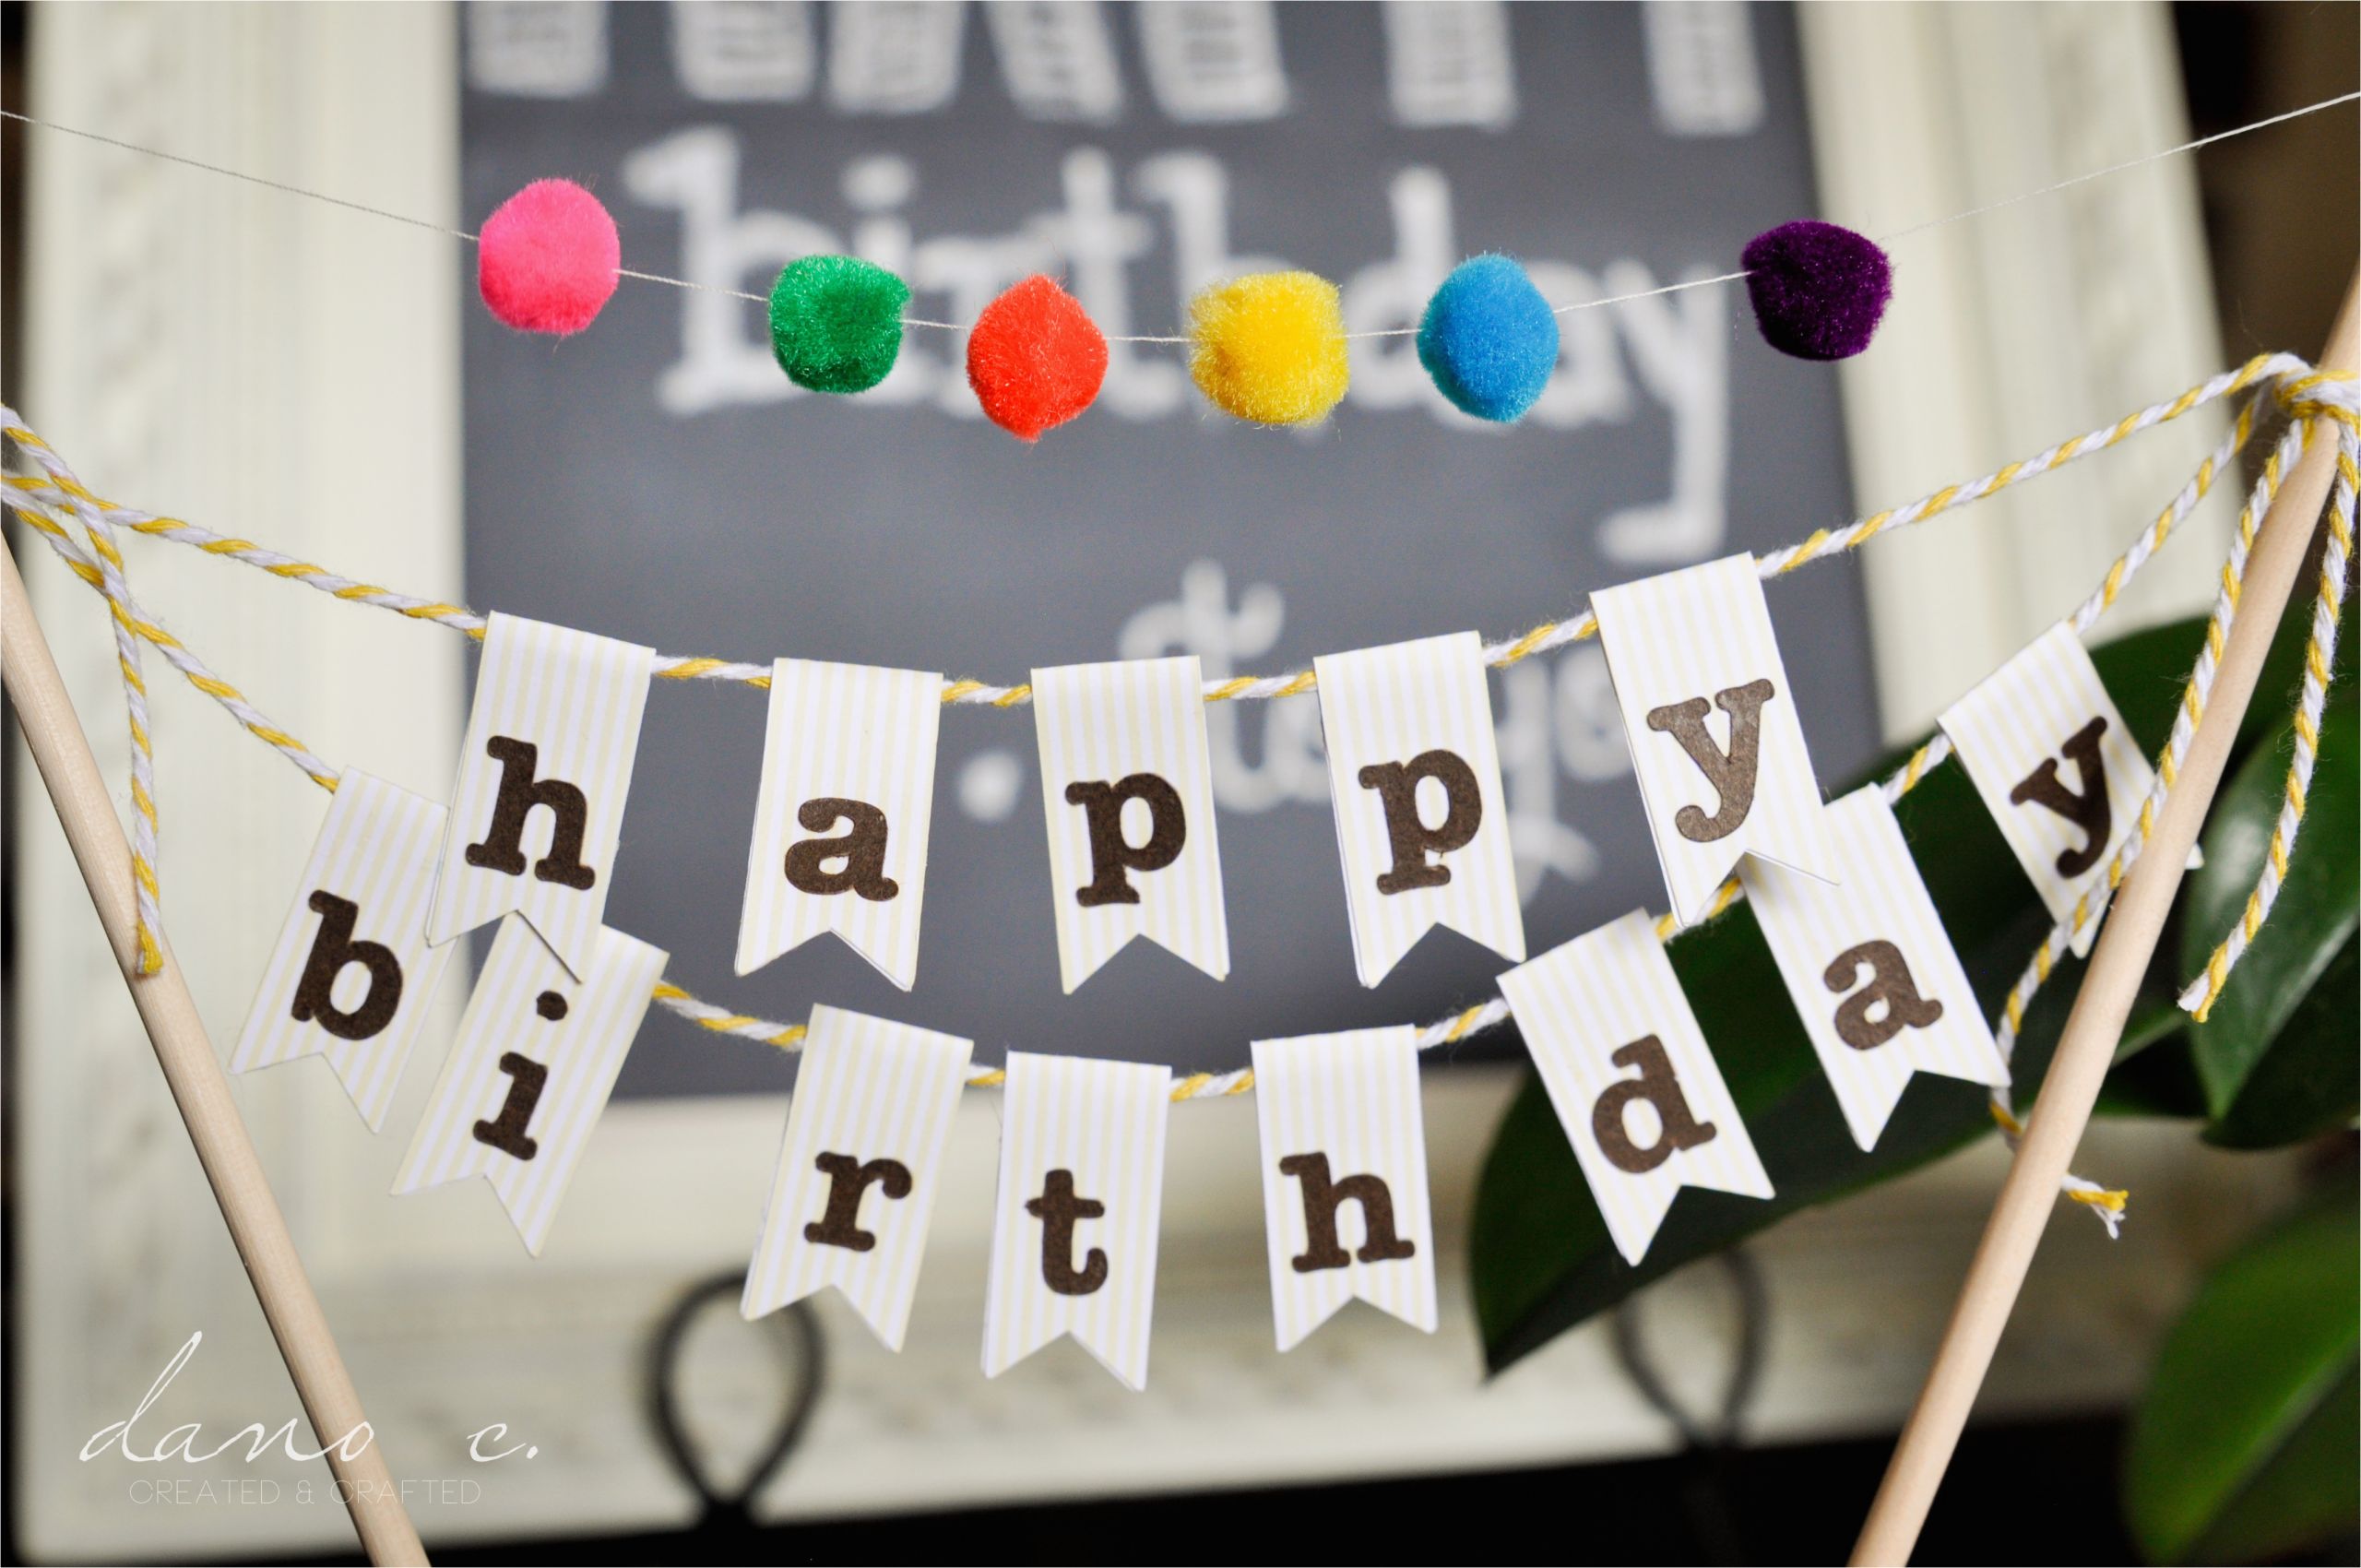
[{"x": 1270, "y": 348}]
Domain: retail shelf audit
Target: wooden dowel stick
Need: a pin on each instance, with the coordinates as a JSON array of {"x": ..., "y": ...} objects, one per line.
[
  {"x": 62, "y": 752},
  {"x": 2087, "y": 1046}
]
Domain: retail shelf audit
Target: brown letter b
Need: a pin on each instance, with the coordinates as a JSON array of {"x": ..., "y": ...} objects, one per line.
[{"x": 332, "y": 949}]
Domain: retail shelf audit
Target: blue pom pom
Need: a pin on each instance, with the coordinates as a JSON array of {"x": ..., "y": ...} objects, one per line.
[{"x": 1489, "y": 338}]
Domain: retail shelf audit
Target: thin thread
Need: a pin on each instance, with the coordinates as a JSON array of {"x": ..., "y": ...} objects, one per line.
[
  {"x": 710, "y": 289},
  {"x": 1390, "y": 332},
  {"x": 1653, "y": 293},
  {"x": 2120, "y": 168},
  {"x": 257, "y": 179}
]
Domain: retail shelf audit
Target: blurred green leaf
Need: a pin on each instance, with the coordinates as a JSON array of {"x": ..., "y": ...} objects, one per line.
[
  {"x": 1541, "y": 1260},
  {"x": 2310, "y": 1081},
  {"x": 2245, "y": 1446},
  {"x": 2161, "y": 1082},
  {"x": 2318, "y": 907}
]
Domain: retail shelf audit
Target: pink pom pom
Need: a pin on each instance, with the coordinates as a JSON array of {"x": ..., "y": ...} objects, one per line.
[{"x": 546, "y": 259}]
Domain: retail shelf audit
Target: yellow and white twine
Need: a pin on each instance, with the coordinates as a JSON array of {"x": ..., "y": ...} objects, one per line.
[
  {"x": 2335, "y": 397},
  {"x": 113, "y": 585},
  {"x": 2306, "y": 395}
]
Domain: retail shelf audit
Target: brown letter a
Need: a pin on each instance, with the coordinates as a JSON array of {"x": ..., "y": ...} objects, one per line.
[
  {"x": 1890, "y": 982},
  {"x": 861, "y": 847},
  {"x": 2088, "y": 811}
]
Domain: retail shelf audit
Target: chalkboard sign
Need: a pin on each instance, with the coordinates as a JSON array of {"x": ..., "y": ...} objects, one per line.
[{"x": 656, "y": 479}]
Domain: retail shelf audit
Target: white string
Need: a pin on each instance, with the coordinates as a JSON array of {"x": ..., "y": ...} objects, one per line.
[
  {"x": 1653, "y": 293},
  {"x": 2185, "y": 146},
  {"x": 2120, "y": 168},
  {"x": 258, "y": 180}
]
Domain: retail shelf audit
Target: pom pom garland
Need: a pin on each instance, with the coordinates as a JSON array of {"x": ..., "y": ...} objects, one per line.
[
  {"x": 836, "y": 322},
  {"x": 547, "y": 258},
  {"x": 1819, "y": 290},
  {"x": 1488, "y": 339},
  {"x": 1270, "y": 346},
  {"x": 1035, "y": 359}
]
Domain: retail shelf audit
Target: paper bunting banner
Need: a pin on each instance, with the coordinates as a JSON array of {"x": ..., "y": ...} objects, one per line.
[
  {"x": 538, "y": 1052},
  {"x": 1716, "y": 745},
  {"x": 1870, "y": 969},
  {"x": 859, "y": 1170},
  {"x": 841, "y": 818},
  {"x": 352, "y": 974},
  {"x": 1631, "y": 1077},
  {"x": 1128, "y": 786},
  {"x": 1074, "y": 1222},
  {"x": 2058, "y": 768},
  {"x": 1345, "y": 1177},
  {"x": 1421, "y": 823},
  {"x": 543, "y": 775}
]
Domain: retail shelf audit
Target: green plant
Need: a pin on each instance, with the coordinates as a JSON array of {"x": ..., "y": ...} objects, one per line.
[
  {"x": 2275, "y": 1063},
  {"x": 2246, "y": 1447}
]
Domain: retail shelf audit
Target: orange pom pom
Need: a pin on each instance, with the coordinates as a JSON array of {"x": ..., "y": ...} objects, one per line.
[{"x": 1035, "y": 359}]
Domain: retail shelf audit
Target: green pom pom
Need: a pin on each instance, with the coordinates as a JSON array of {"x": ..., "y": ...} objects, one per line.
[{"x": 836, "y": 322}]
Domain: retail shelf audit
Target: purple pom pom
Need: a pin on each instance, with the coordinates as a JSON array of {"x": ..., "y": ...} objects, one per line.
[{"x": 1819, "y": 290}]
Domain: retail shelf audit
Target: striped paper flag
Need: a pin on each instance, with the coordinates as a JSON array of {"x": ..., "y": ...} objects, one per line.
[
  {"x": 1128, "y": 792},
  {"x": 537, "y": 1056},
  {"x": 1345, "y": 1177},
  {"x": 1422, "y": 826},
  {"x": 841, "y": 818},
  {"x": 2058, "y": 768},
  {"x": 352, "y": 976},
  {"x": 1710, "y": 717},
  {"x": 1870, "y": 969},
  {"x": 859, "y": 1170},
  {"x": 1630, "y": 1077},
  {"x": 1074, "y": 1221},
  {"x": 543, "y": 776}
]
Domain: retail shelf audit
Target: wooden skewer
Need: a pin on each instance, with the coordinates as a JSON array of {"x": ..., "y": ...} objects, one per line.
[
  {"x": 2087, "y": 1046},
  {"x": 62, "y": 752}
]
